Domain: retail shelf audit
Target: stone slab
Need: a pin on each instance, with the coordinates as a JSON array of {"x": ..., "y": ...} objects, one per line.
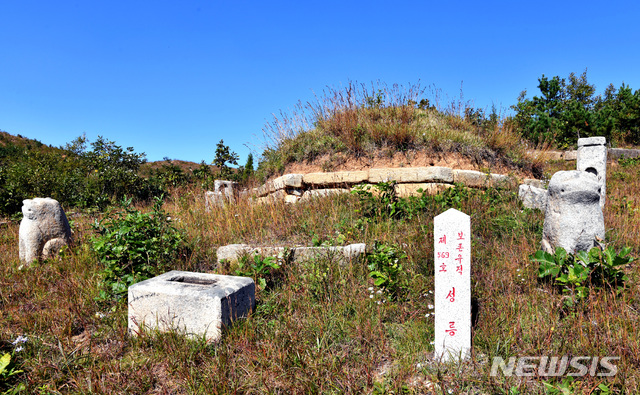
[
  {"x": 336, "y": 178},
  {"x": 195, "y": 304},
  {"x": 282, "y": 182},
  {"x": 589, "y": 141},
  {"x": 407, "y": 190},
  {"x": 319, "y": 193},
  {"x": 233, "y": 252},
  {"x": 452, "y": 296},
  {"x": 412, "y": 174}
]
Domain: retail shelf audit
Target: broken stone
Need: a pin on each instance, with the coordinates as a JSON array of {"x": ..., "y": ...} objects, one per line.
[
  {"x": 533, "y": 197},
  {"x": 592, "y": 158}
]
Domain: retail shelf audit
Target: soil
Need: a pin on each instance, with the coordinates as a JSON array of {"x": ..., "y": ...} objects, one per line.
[{"x": 342, "y": 162}]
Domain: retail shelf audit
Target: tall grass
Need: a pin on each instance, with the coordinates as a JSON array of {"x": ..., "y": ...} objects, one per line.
[
  {"x": 320, "y": 329},
  {"x": 367, "y": 120}
]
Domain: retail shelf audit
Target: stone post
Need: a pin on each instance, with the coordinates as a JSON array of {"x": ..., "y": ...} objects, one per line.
[
  {"x": 592, "y": 158},
  {"x": 452, "y": 257}
]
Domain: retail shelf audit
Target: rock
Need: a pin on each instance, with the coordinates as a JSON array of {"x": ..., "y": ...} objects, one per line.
[
  {"x": 224, "y": 192},
  {"x": 534, "y": 183},
  {"x": 533, "y": 197},
  {"x": 343, "y": 254},
  {"x": 592, "y": 158},
  {"x": 478, "y": 179},
  {"x": 336, "y": 178},
  {"x": 44, "y": 229},
  {"x": 406, "y": 190},
  {"x": 291, "y": 199},
  {"x": 195, "y": 304},
  {"x": 282, "y": 182},
  {"x": 412, "y": 174},
  {"x": 317, "y": 193},
  {"x": 573, "y": 217},
  {"x": 231, "y": 252}
]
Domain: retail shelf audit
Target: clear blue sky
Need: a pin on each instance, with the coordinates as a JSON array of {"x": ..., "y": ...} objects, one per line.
[{"x": 172, "y": 78}]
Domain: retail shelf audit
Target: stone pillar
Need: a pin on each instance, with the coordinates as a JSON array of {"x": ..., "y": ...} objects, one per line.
[
  {"x": 44, "y": 229},
  {"x": 573, "y": 216},
  {"x": 452, "y": 297},
  {"x": 592, "y": 158}
]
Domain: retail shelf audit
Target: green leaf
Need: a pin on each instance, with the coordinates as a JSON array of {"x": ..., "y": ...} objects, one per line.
[{"x": 5, "y": 360}]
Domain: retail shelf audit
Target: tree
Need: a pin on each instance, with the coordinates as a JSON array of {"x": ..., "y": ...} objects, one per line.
[
  {"x": 225, "y": 156},
  {"x": 247, "y": 171}
]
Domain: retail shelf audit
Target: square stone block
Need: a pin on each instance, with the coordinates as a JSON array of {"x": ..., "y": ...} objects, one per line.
[{"x": 196, "y": 304}]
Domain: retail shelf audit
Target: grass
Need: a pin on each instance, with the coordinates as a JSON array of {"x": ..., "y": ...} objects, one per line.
[
  {"x": 318, "y": 330},
  {"x": 361, "y": 121}
]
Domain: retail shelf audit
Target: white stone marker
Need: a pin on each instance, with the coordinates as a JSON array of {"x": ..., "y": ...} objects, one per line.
[{"x": 452, "y": 256}]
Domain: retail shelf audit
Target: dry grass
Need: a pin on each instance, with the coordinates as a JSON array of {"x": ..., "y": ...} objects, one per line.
[{"x": 318, "y": 330}]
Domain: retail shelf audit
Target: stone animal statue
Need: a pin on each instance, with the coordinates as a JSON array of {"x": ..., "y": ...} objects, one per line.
[
  {"x": 573, "y": 217},
  {"x": 44, "y": 229}
]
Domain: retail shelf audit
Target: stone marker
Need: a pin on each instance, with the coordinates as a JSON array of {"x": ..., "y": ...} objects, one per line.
[
  {"x": 196, "y": 304},
  {"x": 573, "y": 217},
  {"x": 592, "y": 158},
  {"x": 452, "y": 257},
  {"x": 44, "y": 229}
]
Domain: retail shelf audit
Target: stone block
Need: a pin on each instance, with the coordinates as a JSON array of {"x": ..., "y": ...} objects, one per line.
[
  {"x": 533, "y": 197},
  {"x": 282, "y": 182},
  {"x": 412, "y": 174},
  {"x": 573, "y": 216},
  {"x": 195, "y": 304},
  {"x": 336, "y": 178},
  {"x": 534, "y": 183},
  {"x": 44, "y": 229},
  {"x": 472, "y": 178},
  {"x": 291, "y": 199},
  {"x": 340, "y": 254},
  {"x": 319, "y": 193},
  {"x": 406, "y": 190}
]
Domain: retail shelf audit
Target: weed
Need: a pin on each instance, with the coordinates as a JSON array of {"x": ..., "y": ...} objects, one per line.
[
  {"x": 261, "y": 269},
  {"x": 385, "y": 267},
  {"x": 134, "y": 246},
  {"x": 575, "y": 274}
]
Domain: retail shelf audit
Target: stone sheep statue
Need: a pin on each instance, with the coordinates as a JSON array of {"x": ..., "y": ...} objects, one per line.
[{"x": 44, "y": 229}]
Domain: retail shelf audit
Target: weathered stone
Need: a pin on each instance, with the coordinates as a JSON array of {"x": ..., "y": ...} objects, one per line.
[
  {"x": 340, "y": 254},
  {"x": 533, "y": 197},
  {"x": 406, "y": 190},
  {"x": 534, "y": 183},
  {"x": 291, "y": 199},
  {"x": 617, "y": 153},
  {"x": 282, "y": 182},
  {"x": 412, "y": 174},
  {"x": 44, "y": 229},
  {"x": 570, "y": 155},
  {"x": 196, "y": 304},
  {"x": 592, "y": 158},
  {"x": 228, "y": 188},
  {"x": 318, "y": 193},
  {"x": 336, "y": 178},
  {"x": 213, "y": 199},
  {"x": 478, "y": 179},
  {"x": 233, "y": 252},
  {"x": 277, "y": 196},
  {"x": 573, "y": 217}
]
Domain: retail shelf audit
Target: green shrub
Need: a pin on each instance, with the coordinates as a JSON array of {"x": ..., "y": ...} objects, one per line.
[
  {"x": 385, "y": 268},
  {"x": 134, "y": 246},
  {"x": 576, "y": 274},
  {"x": 263, "y": 270}
]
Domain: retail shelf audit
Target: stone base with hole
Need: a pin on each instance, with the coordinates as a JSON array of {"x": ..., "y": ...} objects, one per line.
[{"x": 195, "y": 304}]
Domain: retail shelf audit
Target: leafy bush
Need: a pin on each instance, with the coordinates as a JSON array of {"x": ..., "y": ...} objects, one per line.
[
  {"x": 263, "y": 270},
  {"x": 134, "y": 246},
  {"x": 385, "y": 267},
  {"x": 73, "y": 175},
  {"x": 576, "y": 274}
]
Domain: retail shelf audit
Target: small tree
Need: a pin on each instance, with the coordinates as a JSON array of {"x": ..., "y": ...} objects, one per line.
[
  {"x": 247, "y": 171},
  {"x": 223, "y": 156}
]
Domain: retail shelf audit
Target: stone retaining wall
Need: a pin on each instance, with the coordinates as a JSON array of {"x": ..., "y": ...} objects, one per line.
[
  {"x": 612, "y": 154},
  {"x": 292, "y": 188}
]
